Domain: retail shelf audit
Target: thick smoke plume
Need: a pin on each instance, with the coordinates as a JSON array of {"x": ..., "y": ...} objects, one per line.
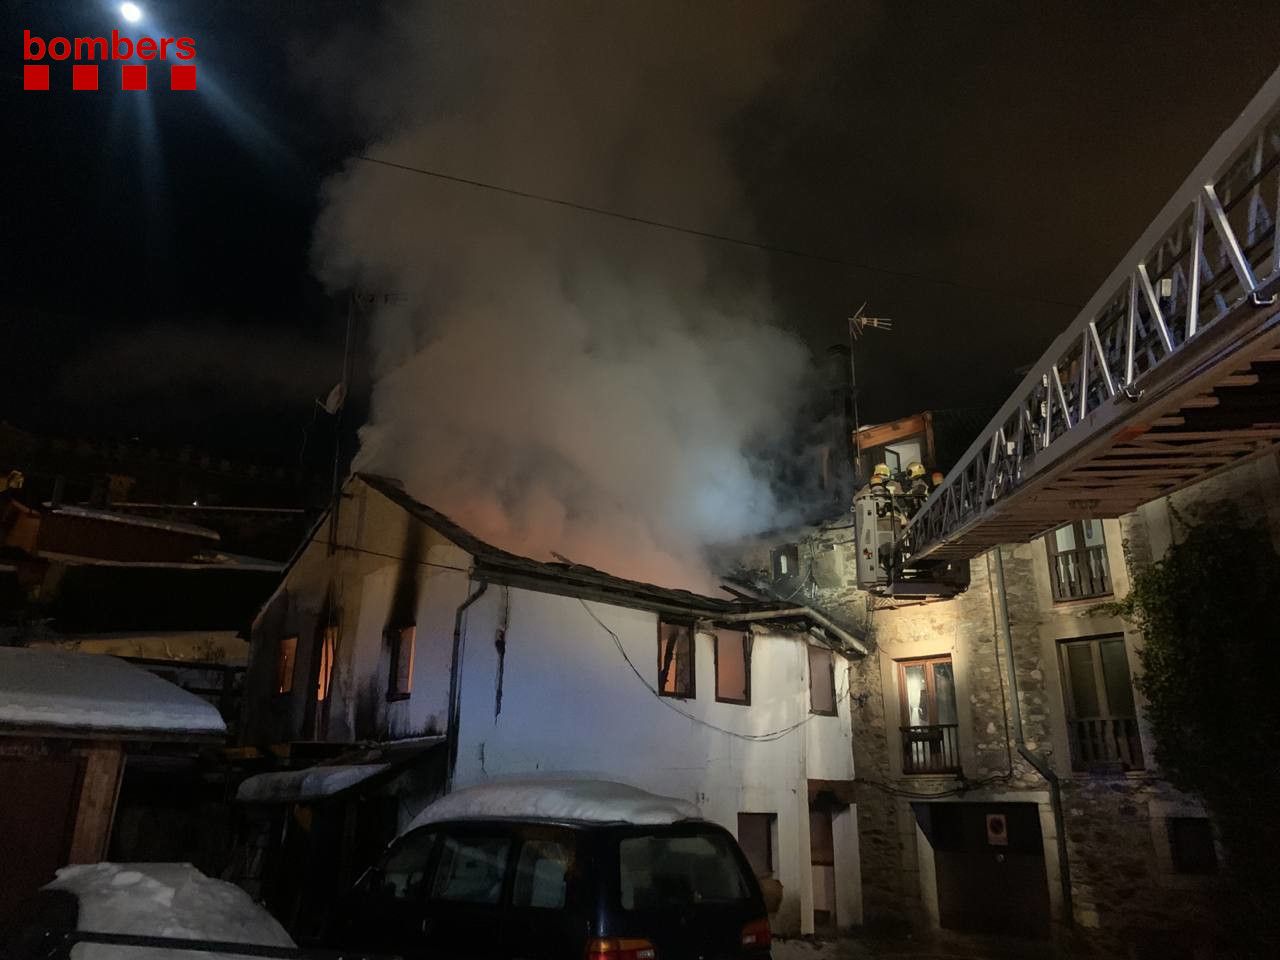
[{"x": 554, "y": 380}]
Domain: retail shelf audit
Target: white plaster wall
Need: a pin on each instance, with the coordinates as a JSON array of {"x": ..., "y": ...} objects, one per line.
[{"x": 571, "y": 704}]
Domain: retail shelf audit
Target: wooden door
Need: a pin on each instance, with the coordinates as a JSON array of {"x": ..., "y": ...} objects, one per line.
[{"x": 37, "y": 819}]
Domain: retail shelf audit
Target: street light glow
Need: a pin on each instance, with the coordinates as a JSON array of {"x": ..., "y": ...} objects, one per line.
[{"x": 131, "y": 12}]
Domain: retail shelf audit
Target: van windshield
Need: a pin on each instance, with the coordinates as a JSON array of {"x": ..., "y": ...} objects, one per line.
[{"x": 667, "y": 870}]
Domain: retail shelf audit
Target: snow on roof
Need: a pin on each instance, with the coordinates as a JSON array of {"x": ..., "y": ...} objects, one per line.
[
  {"x": 163, "y": 900},
  {"x": 314, "y": 783},
  {"x": 601, "y": 801},
  {"x": 55, "y": 688}
]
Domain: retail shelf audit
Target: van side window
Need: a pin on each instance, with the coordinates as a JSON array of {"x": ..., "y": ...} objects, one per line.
[
  {"x": 471, "y": 869},
  {"x": 542, "y": 874},
  {"x": 403, "y": 875}
]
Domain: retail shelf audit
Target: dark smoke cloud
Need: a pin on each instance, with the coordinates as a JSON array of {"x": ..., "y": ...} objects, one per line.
[{"x": 553, "y": 380}]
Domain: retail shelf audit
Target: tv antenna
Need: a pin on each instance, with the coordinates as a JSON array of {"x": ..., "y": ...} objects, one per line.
[{"x": 859, "y": 323}]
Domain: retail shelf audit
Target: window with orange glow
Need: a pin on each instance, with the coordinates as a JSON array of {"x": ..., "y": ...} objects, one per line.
[
  {"x": 675, "y": 659},
  {"x": 400, "y": 680},
  {"x": 328, "y": 643},
  {"x": 733, "y": 666},
  {"x": 286, "y": 653}
]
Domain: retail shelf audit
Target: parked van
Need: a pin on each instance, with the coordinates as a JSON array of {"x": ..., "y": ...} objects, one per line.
[{"x": 548, "y": 870}]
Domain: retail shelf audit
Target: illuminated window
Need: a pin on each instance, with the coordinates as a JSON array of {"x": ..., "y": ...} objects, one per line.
[
  {"x": 400, "y": 681},
  {"x": 822, "y": 682},
  {"x": 785, "y": 561},
  {"x": 733, "y": 666},
  {"x": 328, "y": 643},
  {"x": 675, "y": 660},
  {"x": 286, "y": 653}
]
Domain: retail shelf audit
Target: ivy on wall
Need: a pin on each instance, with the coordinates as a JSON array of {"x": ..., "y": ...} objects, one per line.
[{"x": 1209, "y": 612}]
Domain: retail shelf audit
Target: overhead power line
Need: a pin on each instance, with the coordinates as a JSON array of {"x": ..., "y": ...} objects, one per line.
[{"x": 723, "y": 237}]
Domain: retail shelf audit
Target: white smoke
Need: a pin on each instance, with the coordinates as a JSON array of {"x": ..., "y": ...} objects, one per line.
[{"x": 551, "y": 379}]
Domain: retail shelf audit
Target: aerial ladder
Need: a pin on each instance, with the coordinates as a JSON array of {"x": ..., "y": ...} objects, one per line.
[{"x": 1168, "y": 375}]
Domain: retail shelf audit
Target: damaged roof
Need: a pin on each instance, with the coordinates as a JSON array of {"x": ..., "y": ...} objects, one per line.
[
  {"x": 495, "y": 565},
  {"x": 499, "y": 565}
]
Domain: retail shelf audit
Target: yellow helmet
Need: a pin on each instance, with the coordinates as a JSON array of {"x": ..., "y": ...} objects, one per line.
[
  {"x": 880, "y": 472},
  {"x": 915, "y": 470}
]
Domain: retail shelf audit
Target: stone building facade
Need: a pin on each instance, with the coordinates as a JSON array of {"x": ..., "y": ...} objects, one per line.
[{"x": 957, "y": 828}]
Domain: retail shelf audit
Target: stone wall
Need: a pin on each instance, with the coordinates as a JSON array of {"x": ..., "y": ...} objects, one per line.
[{"x": 1127, "y": 899}]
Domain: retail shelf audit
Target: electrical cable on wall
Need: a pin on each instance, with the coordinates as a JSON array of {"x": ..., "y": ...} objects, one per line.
[{"x": 667, "y": 702}]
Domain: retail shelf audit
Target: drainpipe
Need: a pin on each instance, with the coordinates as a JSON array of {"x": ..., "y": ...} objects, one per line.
[
  {"x": 455, "y": 684},
  {"x": 1037, "y": 762}
]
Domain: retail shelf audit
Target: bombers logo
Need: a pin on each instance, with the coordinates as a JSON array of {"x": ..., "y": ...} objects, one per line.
[{"x": 84, "y": 75}]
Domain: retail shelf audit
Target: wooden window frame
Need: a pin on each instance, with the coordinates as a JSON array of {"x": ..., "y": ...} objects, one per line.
[
  {"x": 692, "y": 693},
  {"x": 1052, "y": 552},
  {"x": 396, "y": 635},
  {"x": 831, "y": 672},
  {"x": 931, "y": 686},
  {"x": 284, "y": 682},
  {"x": 1105, "y": 711},
  {"x": 746, "y": 665}
]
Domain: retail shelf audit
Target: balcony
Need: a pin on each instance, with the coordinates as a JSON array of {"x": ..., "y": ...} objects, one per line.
[
  {"x": 1080, "y": 574},
  {"x": 931, "y": 749},
  {"x": 1105, "y": 742}
]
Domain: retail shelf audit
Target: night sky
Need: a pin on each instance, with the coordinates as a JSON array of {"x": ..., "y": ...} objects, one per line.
[{"x": 157, "y": 268}]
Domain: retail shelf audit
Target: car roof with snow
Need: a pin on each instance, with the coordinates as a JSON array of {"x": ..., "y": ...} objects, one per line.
[{"x": 581, "y": 801}]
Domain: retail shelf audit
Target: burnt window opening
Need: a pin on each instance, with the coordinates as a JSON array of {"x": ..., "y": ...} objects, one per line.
[
  {"x": 400, "y": 677},
  {"x": 1191, "y": 844},
  {"x": 286, "y": 656},
  {"x": 675, "y": 660},
  {"x": 755, "y": 836},
  {"x": 785, "y": 561},
  {"x": 822, "y": 682},
  {"x": 328, "y": 647},
  {"x": 733, "y": 666}
]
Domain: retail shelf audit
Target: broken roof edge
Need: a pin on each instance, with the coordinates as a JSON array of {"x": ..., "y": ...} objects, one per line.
[{"x": 494, "y": 565}]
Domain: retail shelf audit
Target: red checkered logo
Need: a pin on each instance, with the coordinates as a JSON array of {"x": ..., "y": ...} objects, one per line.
[{"x": 86, "y": 54}]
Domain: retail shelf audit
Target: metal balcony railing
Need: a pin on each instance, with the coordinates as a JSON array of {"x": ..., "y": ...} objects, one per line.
[
  {"x": 931, "y": 749},
  {"x": 1080, "y": 574},
  {"x": 1105, "y": 741}
]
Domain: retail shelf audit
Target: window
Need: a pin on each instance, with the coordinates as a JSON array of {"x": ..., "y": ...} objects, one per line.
[
  {"x": 822, "y": 682},
  {"x": 328, "y": 644},
  {"x": 400, "y": 679},
  {"x": 403, "y": 873},
  {"x": 755, "y": 836},
  {"x": 785, "y": 561},
  {"x": 542, "y": 874},
  {"x": 1078, "y": 561},
  {"x": 665, "y": 871},
  {"x": 1101, "y": 719},
  {"x": 1191, "y": 843},
  {"x": 286, "y": 653},
  {"x": 471, "y": 869},
  {"x": 733, "y": 666},
  {"x": 930, "y": 722},
  {"x": 675, "y": 659}
]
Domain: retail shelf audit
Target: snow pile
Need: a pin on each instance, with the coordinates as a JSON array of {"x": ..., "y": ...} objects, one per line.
[
  {"x": 299, "y": 786},
  {"x": 593, "y": 800},
  {"x": 55, "y": 688},
  {"x": 163, "y": 900}
]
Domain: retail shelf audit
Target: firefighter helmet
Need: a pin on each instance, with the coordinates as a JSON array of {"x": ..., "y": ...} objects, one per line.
[
  {"x": 879, "y": 474},
  {"x": 915, "y": 470}
]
